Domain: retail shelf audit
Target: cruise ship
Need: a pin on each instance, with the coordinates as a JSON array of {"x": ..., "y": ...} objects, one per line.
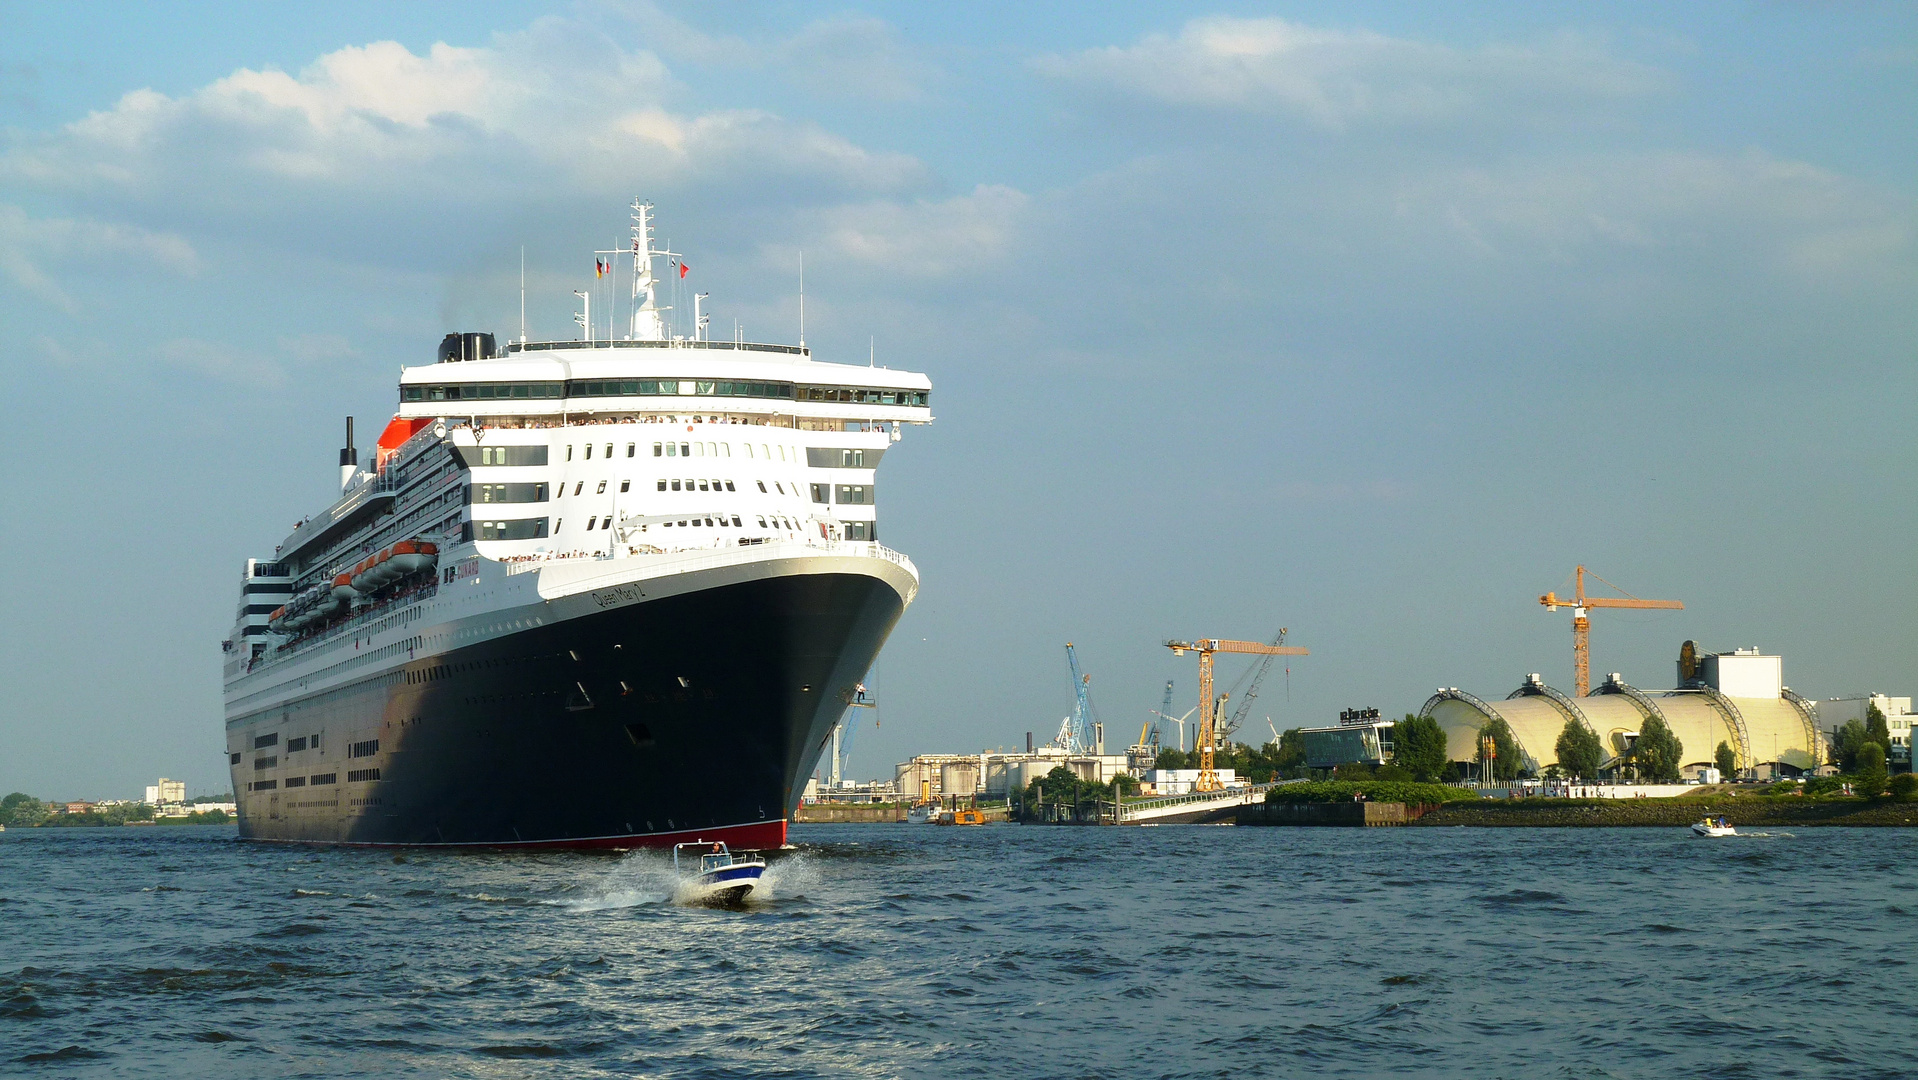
[{"x": 594, "y": 593}]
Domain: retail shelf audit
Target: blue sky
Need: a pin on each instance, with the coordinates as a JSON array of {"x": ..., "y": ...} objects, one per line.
[{"x": 1366, "y": 320}]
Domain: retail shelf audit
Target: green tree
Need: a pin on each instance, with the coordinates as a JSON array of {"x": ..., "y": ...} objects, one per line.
[
  {"x": 22, "y": 809},
  {"x": 1868, "y": 778},
  {"x": 1125, "y": 784},
  {"x": 1508, "y": 761},
  {"x": 1876, "y": 730},
  {"x": 1418, "y": 747},
  {"x": 1173, "y": 758},
  {"x": 1845, "y": 743},
  {"x": 1579, "y": 751},
  {"x": 1726, "y": 759},
  {"x": 1658, "y": 753},
  {"x": 1904, "y": 785}
]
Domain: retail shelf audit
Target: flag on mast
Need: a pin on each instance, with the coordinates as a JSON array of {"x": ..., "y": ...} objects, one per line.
[{"x": 683, "y": 268}]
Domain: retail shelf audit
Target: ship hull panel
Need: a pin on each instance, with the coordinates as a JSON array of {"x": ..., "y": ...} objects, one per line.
[{"x": 692, "y": 716}]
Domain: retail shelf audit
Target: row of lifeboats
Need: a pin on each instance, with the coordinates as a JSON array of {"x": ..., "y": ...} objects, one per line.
[{"x": 325, "y": 599}]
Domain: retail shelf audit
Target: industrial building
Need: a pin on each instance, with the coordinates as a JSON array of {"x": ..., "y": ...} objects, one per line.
[
  {"x": 1834, "y": 713},
  {"x": 1739, "y": 698},
  {"x": 994, "y": 775}
]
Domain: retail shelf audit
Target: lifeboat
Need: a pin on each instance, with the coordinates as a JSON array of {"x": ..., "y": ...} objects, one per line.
[
  {"x": 343, "y": 589},
  {"x": 383, "y": 568},
  {"x": 411, "y": 556}
]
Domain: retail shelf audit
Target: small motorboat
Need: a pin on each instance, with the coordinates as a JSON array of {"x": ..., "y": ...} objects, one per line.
[
  {"x": 1713, "y": 826},
  {"x": 964, "y": 815},
  {"x": 712, "y": 875},
  {"x": 921, "y": 813}
]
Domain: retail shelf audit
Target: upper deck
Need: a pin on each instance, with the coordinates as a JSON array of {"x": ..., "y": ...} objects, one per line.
[{"x": 555, "y": 380}]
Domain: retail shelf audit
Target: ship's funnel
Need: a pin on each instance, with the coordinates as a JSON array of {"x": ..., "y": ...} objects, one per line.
[{"x": 349, "y": 458}]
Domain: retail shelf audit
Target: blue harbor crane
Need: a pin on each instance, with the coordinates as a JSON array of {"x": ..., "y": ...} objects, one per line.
[{"x": 1081, "y": 734}]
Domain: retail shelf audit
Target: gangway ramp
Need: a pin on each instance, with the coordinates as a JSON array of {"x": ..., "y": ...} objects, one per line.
[{"x": 1198, "y": 808}]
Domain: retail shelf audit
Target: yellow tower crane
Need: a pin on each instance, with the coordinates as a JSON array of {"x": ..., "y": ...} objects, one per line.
[
  {"x": 1582, "y": 623},
  {"x": 1209, "y": 709}
]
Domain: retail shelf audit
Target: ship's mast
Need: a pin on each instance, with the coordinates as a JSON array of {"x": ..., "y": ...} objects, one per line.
[{"x": 647, "y": 325}]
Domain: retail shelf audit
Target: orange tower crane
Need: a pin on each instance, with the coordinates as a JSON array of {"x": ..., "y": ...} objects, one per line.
[
  {"x": 1208, "y": 709},
  {"x": 1581, "y": 605}
]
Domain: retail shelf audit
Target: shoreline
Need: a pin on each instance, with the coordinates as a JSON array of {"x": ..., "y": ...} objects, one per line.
[{"x": 1611, "y": 813}]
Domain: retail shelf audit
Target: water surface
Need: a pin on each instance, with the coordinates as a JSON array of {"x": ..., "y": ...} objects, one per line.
[{"x": 1005, "y": 951}]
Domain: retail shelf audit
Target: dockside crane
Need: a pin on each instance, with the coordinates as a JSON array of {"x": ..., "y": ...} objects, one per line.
[
  {"x": 1209, "y": 710},
  {"x": 1581, "y": 606},
  {"x": 1084, "y": 726}
]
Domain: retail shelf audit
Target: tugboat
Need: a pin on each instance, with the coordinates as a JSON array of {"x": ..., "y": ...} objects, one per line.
[
  {"x": 721, "y": 879},
  {"x": 1713, "y": 826}
]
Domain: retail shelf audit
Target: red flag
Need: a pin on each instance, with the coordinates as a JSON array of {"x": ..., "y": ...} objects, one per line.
[
  {"x": 683, "y": 268},
  {"x": 599, "y": 268}
]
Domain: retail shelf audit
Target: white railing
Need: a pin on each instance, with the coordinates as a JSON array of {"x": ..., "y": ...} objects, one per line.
[{"x": 702, "y": 557}]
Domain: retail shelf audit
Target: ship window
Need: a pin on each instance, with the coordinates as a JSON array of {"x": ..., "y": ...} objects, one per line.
[
  {"x": 589, "y": 451},
  {"x": 366, "y": 748},
  {"x": 672, "y": 449},
  {"x": 685, "y": 451},
  {"x": 675, "y": 485},
  {"x": 294, "y": 746},
  {"x": 729, "y": 485},
  {"x": 854, "y": 494},
  {"x": 296, "y": 781},
  {"x": 736, "y": 523},
  {"x": 822, "y": 493},
  {"x": 265, "y": 785},
  {"x": 601, "y": 490},
  {"x": 579, "y": 487},
  {"x": 267, "y": 762},
  {"x": 609, "y": 449},
  {"x": 702, "y": 485},
  {"x": 360, "y": 776},
  {"x": 699, "y": 449},
  {"x": 631, "y": 449},
  {"x": 625, "y": 486},
  {"x": 589, "y": 523},
  {"x": 323, "y": 778},
  {"x": 762, "y": 487},
  {"x": 569, "y": 451},
  {"x": 859, "y": 530},
  {"x": 662, "y": 485},
  {"x": 656, "y": 449},
  {"x": 780, "y": 486},
  {"x": 762, "y": 521},
  {"x": 749, "y": 449},
  {"x": 267, "y": 740},
  {"x": 233, "y": 759}
]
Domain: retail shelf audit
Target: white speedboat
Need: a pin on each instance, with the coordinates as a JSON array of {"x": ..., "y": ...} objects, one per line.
[
  {"x": 712, "y": 875},
  {"x": 1713, "y": 826},
  {"x": 922, "y": 813}
]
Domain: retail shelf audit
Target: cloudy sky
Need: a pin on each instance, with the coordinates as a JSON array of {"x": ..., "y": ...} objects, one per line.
[{"x": 1370, "y": 321}]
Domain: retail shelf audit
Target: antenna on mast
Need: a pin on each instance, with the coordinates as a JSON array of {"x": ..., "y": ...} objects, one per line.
[
  {"x": 522, "y": 294},
  {"x": 802, "y": 298}
]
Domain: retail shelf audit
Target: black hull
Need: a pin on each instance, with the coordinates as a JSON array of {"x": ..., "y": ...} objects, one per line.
[{"x": 699, "y": 715}]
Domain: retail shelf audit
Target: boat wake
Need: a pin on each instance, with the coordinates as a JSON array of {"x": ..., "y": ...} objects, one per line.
[
  {"x": 646, "y": 878},
  {"x": 638, "y": 879}
]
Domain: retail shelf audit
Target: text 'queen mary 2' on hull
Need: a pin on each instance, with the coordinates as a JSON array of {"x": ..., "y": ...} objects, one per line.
[{"x": 611, "y": 592}]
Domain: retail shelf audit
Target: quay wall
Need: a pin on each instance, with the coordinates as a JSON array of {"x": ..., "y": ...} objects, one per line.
[
  {"x": 1741, "y": 811},
  {"x": 1351, "y": 814}
]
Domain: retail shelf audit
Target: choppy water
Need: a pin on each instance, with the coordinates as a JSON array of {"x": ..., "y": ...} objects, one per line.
[{"x": 997, "y": 952}]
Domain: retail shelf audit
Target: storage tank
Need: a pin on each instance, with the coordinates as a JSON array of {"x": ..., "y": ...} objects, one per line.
[{"x": 1760, "y": 729}]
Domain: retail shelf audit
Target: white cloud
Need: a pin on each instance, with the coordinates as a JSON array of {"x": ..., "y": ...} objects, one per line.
[
  {"x": 555, "y": 109},
  {"x": 1336, "y": 78},
  {"x": 927, "y": 238},
  {"x": 28, "y": 243},
  {"x": 1790, "y": 216}
]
